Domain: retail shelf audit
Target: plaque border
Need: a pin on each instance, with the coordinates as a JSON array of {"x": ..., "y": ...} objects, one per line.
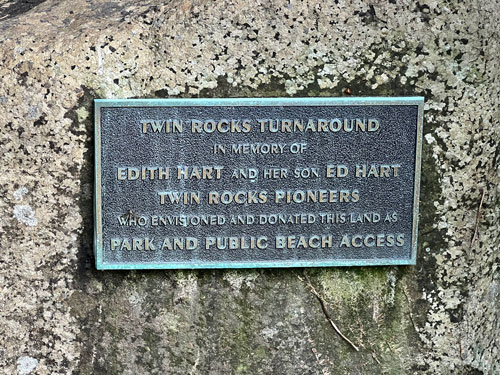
[{"x": 316, "y": 101}]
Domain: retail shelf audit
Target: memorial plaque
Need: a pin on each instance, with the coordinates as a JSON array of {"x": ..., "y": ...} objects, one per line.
[{"x": 244, "y": 183}]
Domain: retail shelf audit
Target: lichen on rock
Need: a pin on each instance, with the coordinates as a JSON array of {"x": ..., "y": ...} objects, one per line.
[{"x": 439, "y": 317}]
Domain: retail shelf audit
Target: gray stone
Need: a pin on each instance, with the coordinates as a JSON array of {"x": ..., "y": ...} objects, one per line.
[{"x": 439, "y": 317}]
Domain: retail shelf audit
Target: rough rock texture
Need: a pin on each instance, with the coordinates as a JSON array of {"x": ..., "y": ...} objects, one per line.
[{"x": 60, "y": 316}]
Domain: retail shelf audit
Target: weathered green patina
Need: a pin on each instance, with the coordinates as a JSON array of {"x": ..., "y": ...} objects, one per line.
[{"x": 402, "y": 146}]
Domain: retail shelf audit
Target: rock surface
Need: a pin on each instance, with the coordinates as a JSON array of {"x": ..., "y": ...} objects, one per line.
[{"x": 61, "y": 316}]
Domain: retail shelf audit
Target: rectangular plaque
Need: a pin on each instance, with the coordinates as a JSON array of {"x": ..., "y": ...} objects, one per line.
[{"x": 245, "y": 183}]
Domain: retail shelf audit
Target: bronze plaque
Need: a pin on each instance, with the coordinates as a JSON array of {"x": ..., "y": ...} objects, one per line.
[{"x": 244, "y": 183}]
